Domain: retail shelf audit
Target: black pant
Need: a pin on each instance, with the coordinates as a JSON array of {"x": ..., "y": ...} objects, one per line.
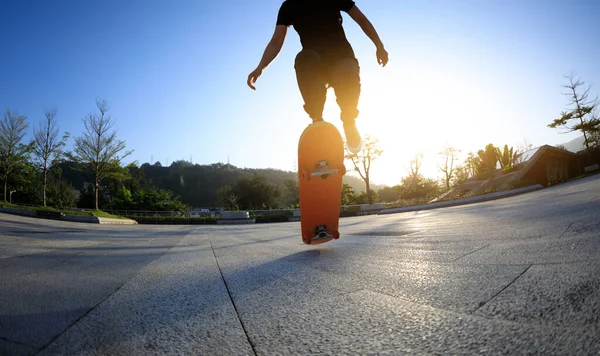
[{"x": 315, "y": 77}]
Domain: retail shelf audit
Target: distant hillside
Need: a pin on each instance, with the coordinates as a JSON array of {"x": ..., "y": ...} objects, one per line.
[
  {"x": 197, "y": 185},
  {"x": 575, "y": 145}
]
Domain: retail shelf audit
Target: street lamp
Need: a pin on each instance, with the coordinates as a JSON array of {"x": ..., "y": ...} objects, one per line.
[{"x": 10, "y": 196}]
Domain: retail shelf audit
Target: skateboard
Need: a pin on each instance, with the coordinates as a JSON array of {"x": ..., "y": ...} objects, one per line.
[{"x": 320, "y": 171}]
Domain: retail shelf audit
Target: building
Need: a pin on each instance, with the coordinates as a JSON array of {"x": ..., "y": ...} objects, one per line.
[{"x": 547, "y": 165}]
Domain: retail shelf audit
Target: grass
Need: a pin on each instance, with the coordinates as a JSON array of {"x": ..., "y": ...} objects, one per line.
[{"x": 75, "y": 212}]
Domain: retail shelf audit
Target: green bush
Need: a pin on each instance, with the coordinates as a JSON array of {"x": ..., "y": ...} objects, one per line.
[{"x": 175, "y": 220}]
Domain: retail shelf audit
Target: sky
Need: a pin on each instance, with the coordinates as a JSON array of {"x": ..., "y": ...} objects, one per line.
[{"x": 462, "y": 73}]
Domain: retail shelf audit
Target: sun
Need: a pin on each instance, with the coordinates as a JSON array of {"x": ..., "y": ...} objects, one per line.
[{"x": 418, "y": 113}]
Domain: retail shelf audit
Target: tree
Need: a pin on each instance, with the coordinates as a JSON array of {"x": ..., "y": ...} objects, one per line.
[
  {"x": 228, "y": 197},
  {"x": 362, "y": 162},
  {"x": 47, "y": 145},
  {"x": 388, "y": 194},
  {"x": 123, "y": 199},
  {"x": 410, "y": 185},
  {"x": 156, "y": 199},
  {"x": 292, "y": 196},
  {"x": 348, "y": 195},
  {"x": 472, "y": 164},
  {"x": 61, "y": 194},
  {"x": 449, "y": 155},
  {"x": 461, "y": 175},
  {"x": 255, "y": 191},
  {"x": 507, "y": 158},
  {"x": 595, "y": 135},
  {"x": 13, "y": 153},
  {"x": 582, "y": 112},
  {"x": 418, "y": 187},
  {"x": 487, "y": 159},
  {"x": 25, "y": 181},
  {"x": 98, "y": 149},
  {"x": 415, "y": 165}
]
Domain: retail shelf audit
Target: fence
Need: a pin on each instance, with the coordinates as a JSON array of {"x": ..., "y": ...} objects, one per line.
[{"x": 212, "y": 217}]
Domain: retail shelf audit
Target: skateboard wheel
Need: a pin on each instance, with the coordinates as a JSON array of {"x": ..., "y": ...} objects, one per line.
[
  {"x": 306, "y": 238},
  {"x": 336, "y": 234},
  {"x": 342, "y": 169}
]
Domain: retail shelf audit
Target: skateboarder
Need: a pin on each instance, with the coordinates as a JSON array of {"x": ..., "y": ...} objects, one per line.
[{"x": 326, "y": 59}]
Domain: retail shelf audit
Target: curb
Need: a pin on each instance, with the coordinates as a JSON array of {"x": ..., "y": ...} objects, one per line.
[
  {"x": 463, "y": 201},
  {"x": 97, "y": 220},
  {"x": 73, "y": 218}
]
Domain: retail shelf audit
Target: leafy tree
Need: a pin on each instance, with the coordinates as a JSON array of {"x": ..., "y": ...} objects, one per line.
[
  {"x": 60, "y": 194},
  {"x": 363, "y": 198},
  {"x": 472, "y": 164},
  {"x": 595, "y": 135},
  {"x": 418, "y": 187},
  {"x": 47, "y": 145},
  {"x": 447, "y": 167},
  {"x": 98, "y": 149},
  {"x": 255, "y": 192},
  {"x": 348, "y": 195},
  {"x": 156, "y": 199},
  {"x": 388, "y": 194},
  {"x": 582, "y": 112},
  {"x": 461, "y": 175},
  {"x": 25, "y": 180},
  {"x": 116, "y": 179},
  {"x": 507, "y": 158},
  {"x": 292, "y": 196},
  {"x": 362, "y": 162},
  {"x": 487, "y": 159},
  {"x": 228, "y": 197},
  {"x": 13, "y": 153},
  {"x": 123, "y": 199}
]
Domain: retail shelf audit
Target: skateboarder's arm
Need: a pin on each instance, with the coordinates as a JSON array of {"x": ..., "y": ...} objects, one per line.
[
  {"x": 274, "y": 46},
  {"x": 370, "y": 31},
  {"x": 271, "y": 51}
]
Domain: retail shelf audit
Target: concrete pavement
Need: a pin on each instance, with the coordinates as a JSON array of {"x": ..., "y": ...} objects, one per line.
[{"x": 519, "y": 275}]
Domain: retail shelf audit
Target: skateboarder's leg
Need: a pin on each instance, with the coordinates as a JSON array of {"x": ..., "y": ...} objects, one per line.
[
  {"x": 311, "y": 81},
  {"x": 345, "y": 79}
]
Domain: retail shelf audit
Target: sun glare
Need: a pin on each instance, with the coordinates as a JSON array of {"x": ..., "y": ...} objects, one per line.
[{"x": 421, "y": 112}]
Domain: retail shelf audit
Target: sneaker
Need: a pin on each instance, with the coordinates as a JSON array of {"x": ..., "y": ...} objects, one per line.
[{"x": 353, "y": 139}]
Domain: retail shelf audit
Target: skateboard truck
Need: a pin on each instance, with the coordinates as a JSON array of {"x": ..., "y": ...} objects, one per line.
[
  {"x": 323, "y": 171},
  {"x": 321, "y": 233}
]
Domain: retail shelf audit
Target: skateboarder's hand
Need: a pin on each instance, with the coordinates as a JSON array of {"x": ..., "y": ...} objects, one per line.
[
  {"x": 382, "y": 56},
  {"x": 252, "y": 77}
]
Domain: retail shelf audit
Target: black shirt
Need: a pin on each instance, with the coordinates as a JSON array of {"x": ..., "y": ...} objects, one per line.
[{"x": 319, "y": 25}]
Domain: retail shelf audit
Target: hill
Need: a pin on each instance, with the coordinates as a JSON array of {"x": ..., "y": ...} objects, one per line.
[{"x": 197, "y": 184}]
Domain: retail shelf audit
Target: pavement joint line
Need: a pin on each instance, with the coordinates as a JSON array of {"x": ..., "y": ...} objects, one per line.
[
  {"x": 481, "y": 304},
  {"x": 105, "y": 298},
  {"x": 237, "y": 313},
  {"x": 17, "y": 342},
  {"x": 469, "y": 253},
  {"x": 567, "y": 229}
]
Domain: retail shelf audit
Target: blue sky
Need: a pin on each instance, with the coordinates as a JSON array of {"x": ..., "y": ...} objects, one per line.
[{"x": 461, "y": 73}]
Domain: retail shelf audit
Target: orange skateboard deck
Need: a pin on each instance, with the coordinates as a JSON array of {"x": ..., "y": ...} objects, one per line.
[{"x": 320, "y": 171}]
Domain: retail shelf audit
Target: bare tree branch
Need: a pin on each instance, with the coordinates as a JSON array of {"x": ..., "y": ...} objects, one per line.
[
  {"x": 98, "y": 149},
  {"x": 47, "y": 146},
  {"x": 363, "y": 159}
]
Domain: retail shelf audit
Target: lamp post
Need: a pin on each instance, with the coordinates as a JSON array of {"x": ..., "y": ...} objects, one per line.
[{"x": 10, "y": 196}]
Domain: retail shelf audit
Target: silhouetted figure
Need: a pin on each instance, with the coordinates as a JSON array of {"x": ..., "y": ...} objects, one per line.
[{"x": 326, "y": 59}]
